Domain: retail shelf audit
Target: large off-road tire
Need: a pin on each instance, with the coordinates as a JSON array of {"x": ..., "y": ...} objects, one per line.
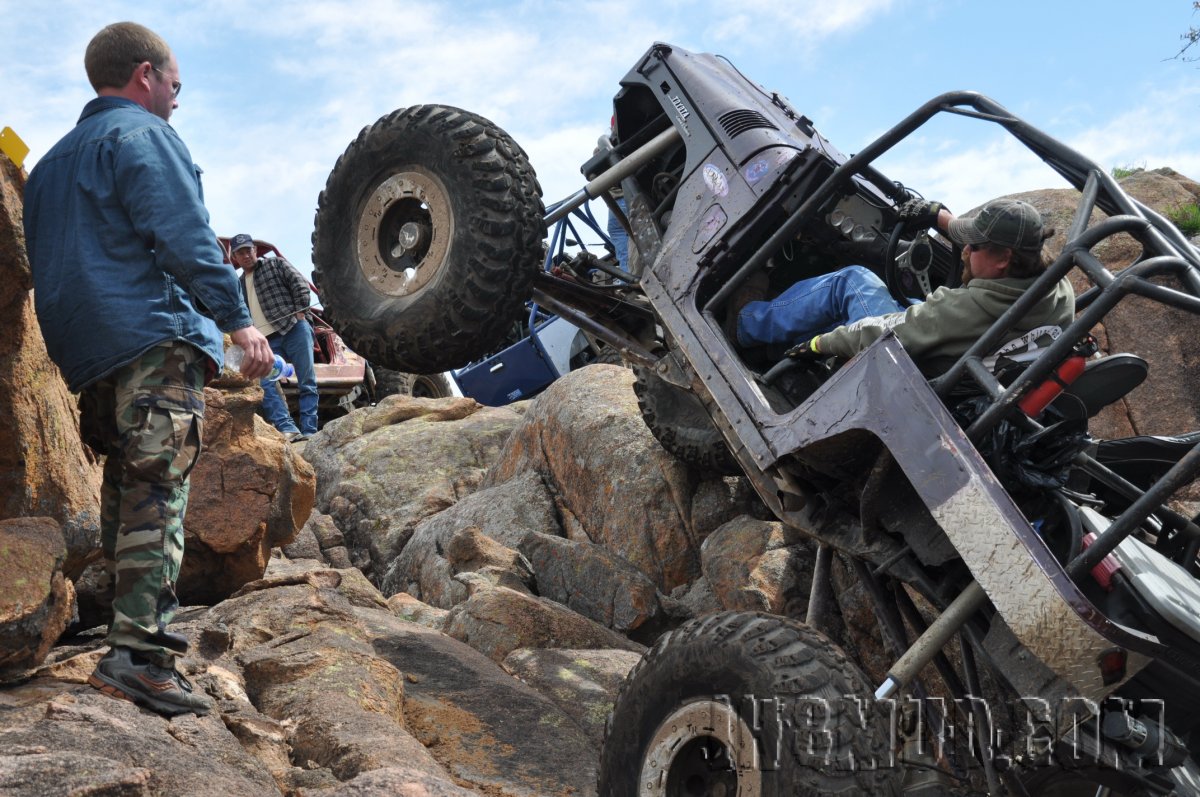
[
  {"x": 746, "y": 703},
  {"x": 609, "y": 355},
  {"x": 427, "y": 238},
  {"x": 391, "y": 383},
  {"x": 681, "y": 425}
]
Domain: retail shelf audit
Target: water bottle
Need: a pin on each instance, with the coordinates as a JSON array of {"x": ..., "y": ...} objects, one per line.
[{"x": 279, "y": 370}]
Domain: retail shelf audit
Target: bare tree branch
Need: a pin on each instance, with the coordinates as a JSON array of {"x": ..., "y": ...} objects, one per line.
[{"x": 1189, "y": 38}]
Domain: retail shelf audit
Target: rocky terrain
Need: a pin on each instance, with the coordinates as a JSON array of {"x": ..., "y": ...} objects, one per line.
[{"x": 431, "y": 597}]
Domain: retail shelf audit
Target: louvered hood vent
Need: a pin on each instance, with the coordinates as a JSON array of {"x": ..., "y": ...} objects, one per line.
[{"x": 738, "y": 122}]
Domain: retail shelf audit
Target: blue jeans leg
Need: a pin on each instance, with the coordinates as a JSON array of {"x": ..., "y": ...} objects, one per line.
[
  {"x": 814, "y": 306},
  {"x": 299, "y": 343},
  {"x": 618, "y": 236},
  {"x": 274, "y": 405},
  {"x": 297, "y": 348}
]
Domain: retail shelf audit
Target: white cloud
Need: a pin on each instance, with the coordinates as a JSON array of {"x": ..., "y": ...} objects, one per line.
[
  {"x": 949, "y": 161},
  {"x": 272, "y": 97},
  {"x": 1161, "y": 131},
  {"x": 965, "y": 177},
  {"x": 802, "y": 22}
]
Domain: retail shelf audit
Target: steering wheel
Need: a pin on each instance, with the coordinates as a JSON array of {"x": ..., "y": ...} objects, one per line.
[{"x": 910, "y": 269}]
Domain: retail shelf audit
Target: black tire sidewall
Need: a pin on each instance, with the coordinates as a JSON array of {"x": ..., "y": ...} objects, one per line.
[
  {"x": 680, "y": 424},
  {"x": 728, "y": 655},
  {"x": 484, "y": 278},
  {"x": 391, "y": 383}
]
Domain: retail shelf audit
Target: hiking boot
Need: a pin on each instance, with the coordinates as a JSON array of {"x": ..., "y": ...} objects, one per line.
[
  {"x": 122, "y": 673},
  {"x": 753, "y": 289}
]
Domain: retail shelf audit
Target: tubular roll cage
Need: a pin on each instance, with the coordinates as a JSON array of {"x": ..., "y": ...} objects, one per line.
[{"x": 1165, "y": 252}]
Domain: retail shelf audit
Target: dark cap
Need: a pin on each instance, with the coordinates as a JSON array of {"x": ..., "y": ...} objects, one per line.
[
  {"x": 240, "y": 241},
  {"x": 1004, "y": 222}
]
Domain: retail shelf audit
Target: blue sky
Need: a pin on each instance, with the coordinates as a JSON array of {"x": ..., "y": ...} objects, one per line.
[{"x": 274, "y": 92}]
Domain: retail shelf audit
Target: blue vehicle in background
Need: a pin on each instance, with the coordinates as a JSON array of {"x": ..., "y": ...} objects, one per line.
[{"x": 543, "y": 346}]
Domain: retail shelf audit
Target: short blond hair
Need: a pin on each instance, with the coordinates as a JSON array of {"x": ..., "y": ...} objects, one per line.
[{"x": 113, "y": 53}]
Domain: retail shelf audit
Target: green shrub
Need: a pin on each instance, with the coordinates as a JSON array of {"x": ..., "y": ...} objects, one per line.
[
  {"x": 1121, "y": 172},
  {"x": 1186, "y": 218}
]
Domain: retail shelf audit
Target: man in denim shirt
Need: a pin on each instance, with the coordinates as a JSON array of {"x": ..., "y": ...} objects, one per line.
[{"x": 132, "y": 297}]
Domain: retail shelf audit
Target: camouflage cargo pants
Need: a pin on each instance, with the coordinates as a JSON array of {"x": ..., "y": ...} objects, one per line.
[{"x": 147, "y": 419}]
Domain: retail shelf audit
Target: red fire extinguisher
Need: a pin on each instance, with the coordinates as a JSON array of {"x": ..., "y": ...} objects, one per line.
[{"x": 1036, "y": 400}]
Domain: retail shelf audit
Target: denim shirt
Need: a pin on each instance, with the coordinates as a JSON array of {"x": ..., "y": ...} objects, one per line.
[{"x": 119, "y": 244}]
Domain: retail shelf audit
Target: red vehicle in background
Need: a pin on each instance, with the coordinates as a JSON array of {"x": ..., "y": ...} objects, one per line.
[{"x": 344, "y": 379}]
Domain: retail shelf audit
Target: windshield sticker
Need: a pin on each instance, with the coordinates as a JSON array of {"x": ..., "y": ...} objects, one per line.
[
  {"x": 757, "y": 170},
  {"x": 714, "y": 178}
]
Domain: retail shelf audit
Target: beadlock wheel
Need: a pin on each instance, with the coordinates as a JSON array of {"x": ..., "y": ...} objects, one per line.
[
  {"x": 704, "y": 748},
  {"x": 404, "y": 232},
  {"x": 427, "y": 239},
  {"x": 745, "y": 703}
]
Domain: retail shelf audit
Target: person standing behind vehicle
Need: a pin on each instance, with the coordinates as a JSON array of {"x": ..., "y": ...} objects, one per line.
[
  {"x": 278, "y": 299},
  {"x": 130, "y": 290},
  {"x": 616, "y": 230}
]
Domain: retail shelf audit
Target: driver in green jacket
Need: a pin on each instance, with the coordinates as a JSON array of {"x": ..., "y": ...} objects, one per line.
[{"x": 840, "y": 314}]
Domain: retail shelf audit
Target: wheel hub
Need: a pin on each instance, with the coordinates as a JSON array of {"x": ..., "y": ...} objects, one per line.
[
  {"x": 703, "y": 748},
  {"x": 404, "y": 232},
  {"x": 412, "y": 237}
]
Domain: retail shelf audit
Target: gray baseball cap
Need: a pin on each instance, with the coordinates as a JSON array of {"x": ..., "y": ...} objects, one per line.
[
  {"x": 1004, "y": 222},
  {"x": 240, "y": 241}
]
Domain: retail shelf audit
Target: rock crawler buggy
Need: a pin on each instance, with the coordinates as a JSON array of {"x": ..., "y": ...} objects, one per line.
[{"x": 1019, "y": 662}]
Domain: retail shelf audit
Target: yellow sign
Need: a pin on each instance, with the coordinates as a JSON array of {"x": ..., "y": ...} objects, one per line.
[{"x": 12, "y": 146}]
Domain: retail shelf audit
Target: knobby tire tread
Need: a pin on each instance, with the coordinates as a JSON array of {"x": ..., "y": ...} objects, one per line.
[
  {"x": 799, "y": 661},
  {"x": 494, "y": 254},
  {"x": 680, "y": 424}
]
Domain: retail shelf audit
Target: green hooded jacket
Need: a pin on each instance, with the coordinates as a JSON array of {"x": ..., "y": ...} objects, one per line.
[{"x": 937, "y": 331}]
